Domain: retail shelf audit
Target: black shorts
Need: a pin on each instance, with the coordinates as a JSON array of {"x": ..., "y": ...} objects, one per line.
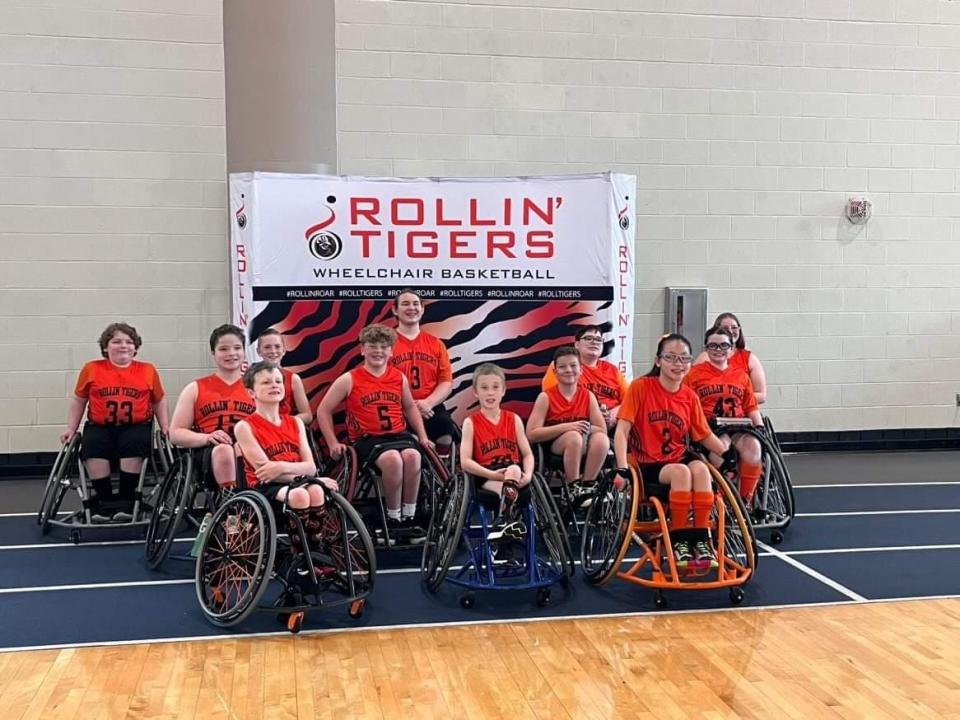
[
  {"x": 364, "y": 446},
  {"x": 650, "y": 476},
  {"x": 116, "y": 441},
  {"x": 440, "y": 424},
  {"x": 270, "y": 491}
]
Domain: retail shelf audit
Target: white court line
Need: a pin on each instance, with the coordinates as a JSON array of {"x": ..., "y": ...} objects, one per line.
[
  {"x": 100, "y": 543},
  {"x": 813, "y": 573},
  {"x": 874, "y": 485},
  {"x": 95, "y": 586},
  {"x": 853, "y": 513},
  {"x": 886, "y": 548},
  {"x": 463, "y": 623}
]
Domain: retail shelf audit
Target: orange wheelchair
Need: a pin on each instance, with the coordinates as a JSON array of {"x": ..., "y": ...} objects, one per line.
[{"x": 634, "y": 516}]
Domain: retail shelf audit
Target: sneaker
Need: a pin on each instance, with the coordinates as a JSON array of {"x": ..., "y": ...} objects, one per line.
[
  {"x": 581, "y": 495},
  {"x": 704, "y": 554},
  {"x": 505, "y": 554},
  {"x": 682, "y": 554},
  {"x": 508, "y": 531},
  {"x": 414, "y": 532}
]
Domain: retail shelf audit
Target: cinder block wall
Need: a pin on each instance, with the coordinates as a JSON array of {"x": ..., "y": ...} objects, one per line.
[
  {"x": 112, "y": 194},
  {"x": 749, "y": 123}
]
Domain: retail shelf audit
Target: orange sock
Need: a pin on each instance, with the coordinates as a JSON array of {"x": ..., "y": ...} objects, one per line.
[
  {"x": 749, "y": 477},
  {"x": 702, "y": 504},
  {"x": 680, "y": 501}
]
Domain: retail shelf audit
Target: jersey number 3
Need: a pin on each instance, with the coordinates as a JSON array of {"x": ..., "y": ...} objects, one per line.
[{"x": 119, "y": 413}]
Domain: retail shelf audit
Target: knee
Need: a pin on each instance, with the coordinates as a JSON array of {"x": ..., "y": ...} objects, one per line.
[
  {"x": 599, "y": 441},
  {"x": 390, "y": 462},
  {"x": 750, "y": 451},
  {"x": 678, "y": 476},
  {"x": 410, "y": 458},
  {"x": 298, "y": 498},
  {"x": 222, "y": 454},
  {"x": 571, "y": 442},
  {"x": 315, "y": 495},
  {"x": 700, "y": 476}
]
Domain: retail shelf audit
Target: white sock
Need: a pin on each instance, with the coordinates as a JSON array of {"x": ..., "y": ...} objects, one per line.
[
  {"x": 393, "y": 514},
  {"x": 409, "y": 510}
]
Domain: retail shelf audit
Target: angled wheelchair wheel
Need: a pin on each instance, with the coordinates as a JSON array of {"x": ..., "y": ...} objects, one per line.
[
  {"x": 235, "y": 561},
  {"x": 550, "y": 529},
  {"x": 739, "y": 539},
  {"x": 450, "y": 502},
  {"x": 344, "y": 537},
  {"x": 607, "y": 530},
  {"x": 169, "y": 508},
  {"x": 344, "y": 471},
  {"x": 58, "y": 482}
]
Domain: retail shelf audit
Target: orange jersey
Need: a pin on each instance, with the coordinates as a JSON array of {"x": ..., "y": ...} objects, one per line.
[
  {"x": 287, "y": 406},
  {"x": 278, "y": 442},
  {"x": 219, "y": 406},
  {"x": 495, "y": 446},
  {"x": 741, "y": 360},
  {"x": 661, "y": 420},
  {"x": 375, "y": 404},
  {"x": 562, "y": 410},
  {"x": 425, "y": 362},
  {"x": 722, "y": 393},
  {"x": 605, "y": 381},
  {"x": 119, "y": 395}
]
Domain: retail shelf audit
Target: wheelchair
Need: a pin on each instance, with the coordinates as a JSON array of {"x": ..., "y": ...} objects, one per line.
[
  {"x": 632, "y": 515},
  {"x": 462, "y": 528},
  {"x": 69, "y": 474},
  {"x": 772, "y": 507},
  {"x": 359, "y": 483},
  {"x": 187, "y": 493},
  {"x": 327, "y": 562}
]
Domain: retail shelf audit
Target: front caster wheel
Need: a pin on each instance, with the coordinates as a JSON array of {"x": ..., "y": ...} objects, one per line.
[
  {"x": 467, "y": 601},
  {"x": 776, "y": 537},
  {"x": 736, "y": 595},
  {"x": 75, "y": 537},
  {"x": 543, "y": 597},
  {"x": 660, "y": 600},
  {"x": 356, "y": 609},
  {"x": 295, "y": 622}
]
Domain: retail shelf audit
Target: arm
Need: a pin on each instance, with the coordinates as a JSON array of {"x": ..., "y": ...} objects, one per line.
[
  {"x": 759, "y": 378},
  {"x": 162, "y": 415},
  {"x": 300, "y": 401},
  {"x": 526, "y": 452},
  {"x": 412, "y": 413},
  {"x": 756, "y": 418},
  {"x": 714, "y": 444},
  {"x": 620, "y": 441},
  {"x": 182, "y": 433},
  {"x": 74, "y": 413},
  {"x": 332, "y": 399},
  {"x": 597, "y": 421},
  {"x": 440, "y": 393}
]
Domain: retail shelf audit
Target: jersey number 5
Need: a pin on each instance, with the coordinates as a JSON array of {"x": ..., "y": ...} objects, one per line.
[{"x": 383, "y": 414}]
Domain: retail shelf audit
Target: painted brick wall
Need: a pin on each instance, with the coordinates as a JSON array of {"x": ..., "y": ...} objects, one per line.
[
  {"x": 112, "y": 194},
  {"x": 748, "y": 123}
]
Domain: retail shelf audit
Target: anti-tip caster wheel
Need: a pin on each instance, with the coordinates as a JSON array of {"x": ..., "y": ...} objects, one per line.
[
  {"x": 295, "y": 622},
  {"x": 467, "y": 601},
  {"x": 543, "y": 597},
  {"x": 660, "y": 600},
  {"x": 736, "y": 595},
  {"x": 776, "y": 537},
  {"x": 75, "y": 537},
  {"x": 356, "y": 609}
]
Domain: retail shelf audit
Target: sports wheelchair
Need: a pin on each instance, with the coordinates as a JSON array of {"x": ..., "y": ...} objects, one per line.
[
  {"x": 620, "y": 517},
  {"x": 68, "y": 473},
  {"x": 772, "y": 507},
  {"x": 324, "y": 562},
  {"x": 360, "y": 485},
  {"x": 461, "y": 530}
]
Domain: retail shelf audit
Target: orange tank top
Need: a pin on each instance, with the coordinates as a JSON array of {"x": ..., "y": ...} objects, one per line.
[
  {"x": 741, "y": 360},
  {"x": 278, "y": 442},
  {"x": 562, "y": 410},
  {"x": 375, "y": 404},
  {"x": 287, "y": 405},
  {"x": 219, "y": 406},
  {"x": 495, "y": 446},
  {"x": 661, "y": 420},
  {"x": 722, "y": 393},
  {"x": 425, "y": 362},
  {"x": 119, "y": 395}
]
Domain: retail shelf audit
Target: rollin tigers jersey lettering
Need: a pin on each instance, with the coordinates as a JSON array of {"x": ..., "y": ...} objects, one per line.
[
  {"x": 604, "y": 380},
  {"x": 661, "y": 421},
  {"x": 495, "y": 445},
  {"x": 375, "y": 404},
  {"x": 722, "y": 393},
  {"x": 562, "y": 410},
  {"x": 280, "y": 443},
  {"x": 219, "y": 406},
  {"x": 425, "y": 362},
  {"x": 119, "y": 395}
]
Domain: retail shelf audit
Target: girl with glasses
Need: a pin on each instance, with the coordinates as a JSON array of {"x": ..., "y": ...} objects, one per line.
[
  {"x": 726, "y": 391},
  {"x": 658, "y": 417},
  {"x": 741, "y": 357}
]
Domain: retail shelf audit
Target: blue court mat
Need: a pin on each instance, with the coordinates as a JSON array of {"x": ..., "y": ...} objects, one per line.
[{"x": 162, "y": 604}]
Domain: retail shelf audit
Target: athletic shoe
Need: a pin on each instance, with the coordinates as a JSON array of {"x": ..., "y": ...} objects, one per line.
[
  {"x": 581, "y": 495},
  {"x": 415, "y": 533},
  {"x": 681, "y": 552},
  {"x": 703, "y": 553},
  {"x": 510, "y": 531}
]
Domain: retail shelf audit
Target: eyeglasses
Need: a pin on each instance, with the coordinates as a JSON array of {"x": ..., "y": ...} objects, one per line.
[
  {"x": 731, "y": 328},
  {"x": 591, "y": 339},
  {"x": 674, "y": 358},
  {"x": 719, "y": 346}
]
